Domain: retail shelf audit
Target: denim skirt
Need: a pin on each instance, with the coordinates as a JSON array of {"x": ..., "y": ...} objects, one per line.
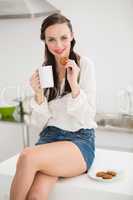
[{"x": 84, "y": 139}]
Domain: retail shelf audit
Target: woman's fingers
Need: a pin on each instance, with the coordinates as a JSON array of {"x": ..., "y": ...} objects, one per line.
[
  {"x": 71, "y": 64},
  {"x": 35, "y": 82}
]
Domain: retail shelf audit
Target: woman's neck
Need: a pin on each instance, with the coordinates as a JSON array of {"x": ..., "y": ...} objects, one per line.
[
  {"x": 61, "y": 74},
  {"x": 60, "y": 69}
]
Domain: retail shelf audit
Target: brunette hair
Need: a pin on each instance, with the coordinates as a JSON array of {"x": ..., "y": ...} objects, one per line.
[{"x": 56, "y": 18}]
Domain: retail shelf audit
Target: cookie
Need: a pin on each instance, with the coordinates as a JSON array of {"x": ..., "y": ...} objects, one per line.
[
  {"x": 63, "y": 60},
  {"x": 107, "y": 176},
  {"x": 112, "y": 173},
  {"x": 100, "y": 174}
]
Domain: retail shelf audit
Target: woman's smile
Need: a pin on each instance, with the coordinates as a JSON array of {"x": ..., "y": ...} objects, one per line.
[{"x": 59, "y": 51}]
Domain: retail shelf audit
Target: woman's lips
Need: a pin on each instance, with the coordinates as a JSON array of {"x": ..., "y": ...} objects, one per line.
[{"x": 59, "y": 51}]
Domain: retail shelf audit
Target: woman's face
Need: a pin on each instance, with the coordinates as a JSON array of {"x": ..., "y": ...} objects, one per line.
[{"x": 58, "y": 38}]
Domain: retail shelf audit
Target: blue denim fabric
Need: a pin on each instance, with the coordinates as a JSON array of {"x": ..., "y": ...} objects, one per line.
[{"x": 83, "y": 138}]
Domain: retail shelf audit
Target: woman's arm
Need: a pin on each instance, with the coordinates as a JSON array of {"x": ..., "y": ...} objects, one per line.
[
  {"x": 82, "y": 101},
  {"x": 37, "y": 105}
]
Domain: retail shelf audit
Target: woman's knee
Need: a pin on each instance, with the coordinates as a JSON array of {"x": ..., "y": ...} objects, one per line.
[{"x": 26, "y": 157}]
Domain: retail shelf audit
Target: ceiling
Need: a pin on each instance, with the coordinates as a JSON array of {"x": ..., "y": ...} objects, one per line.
[{"x": 10, "y": 9}]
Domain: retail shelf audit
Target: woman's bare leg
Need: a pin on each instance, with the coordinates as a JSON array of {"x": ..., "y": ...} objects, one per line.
[
  {"x": 23, "y": 179},
  {"x": 41, "y": 187},
  {"x": 55, "y": 159}
]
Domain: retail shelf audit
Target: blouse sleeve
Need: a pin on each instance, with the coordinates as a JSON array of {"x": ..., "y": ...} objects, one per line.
[
  {"x": 83, "y": 107},
  {"x": 38, "y": 114}
]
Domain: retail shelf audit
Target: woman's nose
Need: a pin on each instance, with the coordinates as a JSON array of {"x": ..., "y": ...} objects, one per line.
[{"x": 58, "y": 44}]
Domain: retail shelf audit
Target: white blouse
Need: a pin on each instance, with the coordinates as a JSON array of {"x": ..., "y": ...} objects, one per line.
[{"x": 69, "y": 113}]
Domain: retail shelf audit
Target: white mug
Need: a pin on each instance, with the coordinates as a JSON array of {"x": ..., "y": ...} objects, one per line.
[{"x": 46, "y": 76}]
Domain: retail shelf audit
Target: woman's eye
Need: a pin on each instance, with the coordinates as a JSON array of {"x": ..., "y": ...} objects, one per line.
[
  {"x": 51, "y": 40},
  {"x": 64, "y": 38}
]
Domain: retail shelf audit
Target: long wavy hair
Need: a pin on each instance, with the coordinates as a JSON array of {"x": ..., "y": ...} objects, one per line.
[{"x": 49, "y": 59}]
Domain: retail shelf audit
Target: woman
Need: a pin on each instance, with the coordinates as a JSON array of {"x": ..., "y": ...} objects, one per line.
[{"x": 65, "y": 115}]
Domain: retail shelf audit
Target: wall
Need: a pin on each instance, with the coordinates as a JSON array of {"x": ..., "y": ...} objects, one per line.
[{"x": 21, "y": 52}]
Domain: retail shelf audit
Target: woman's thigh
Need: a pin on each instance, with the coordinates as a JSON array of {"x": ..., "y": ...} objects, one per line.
[
  {"x": 41, "y": 186},
  {"x": 61, "y": 159}
]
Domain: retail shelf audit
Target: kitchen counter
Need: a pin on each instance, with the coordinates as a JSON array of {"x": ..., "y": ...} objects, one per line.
[{"x": 84, "y": 187}]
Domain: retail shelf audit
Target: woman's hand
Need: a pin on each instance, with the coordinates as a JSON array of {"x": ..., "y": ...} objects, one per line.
[
  {"x": 36, "y": 86},
  {"x": 72, "y": 73},
  {"x": 72, "y": 77}
]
